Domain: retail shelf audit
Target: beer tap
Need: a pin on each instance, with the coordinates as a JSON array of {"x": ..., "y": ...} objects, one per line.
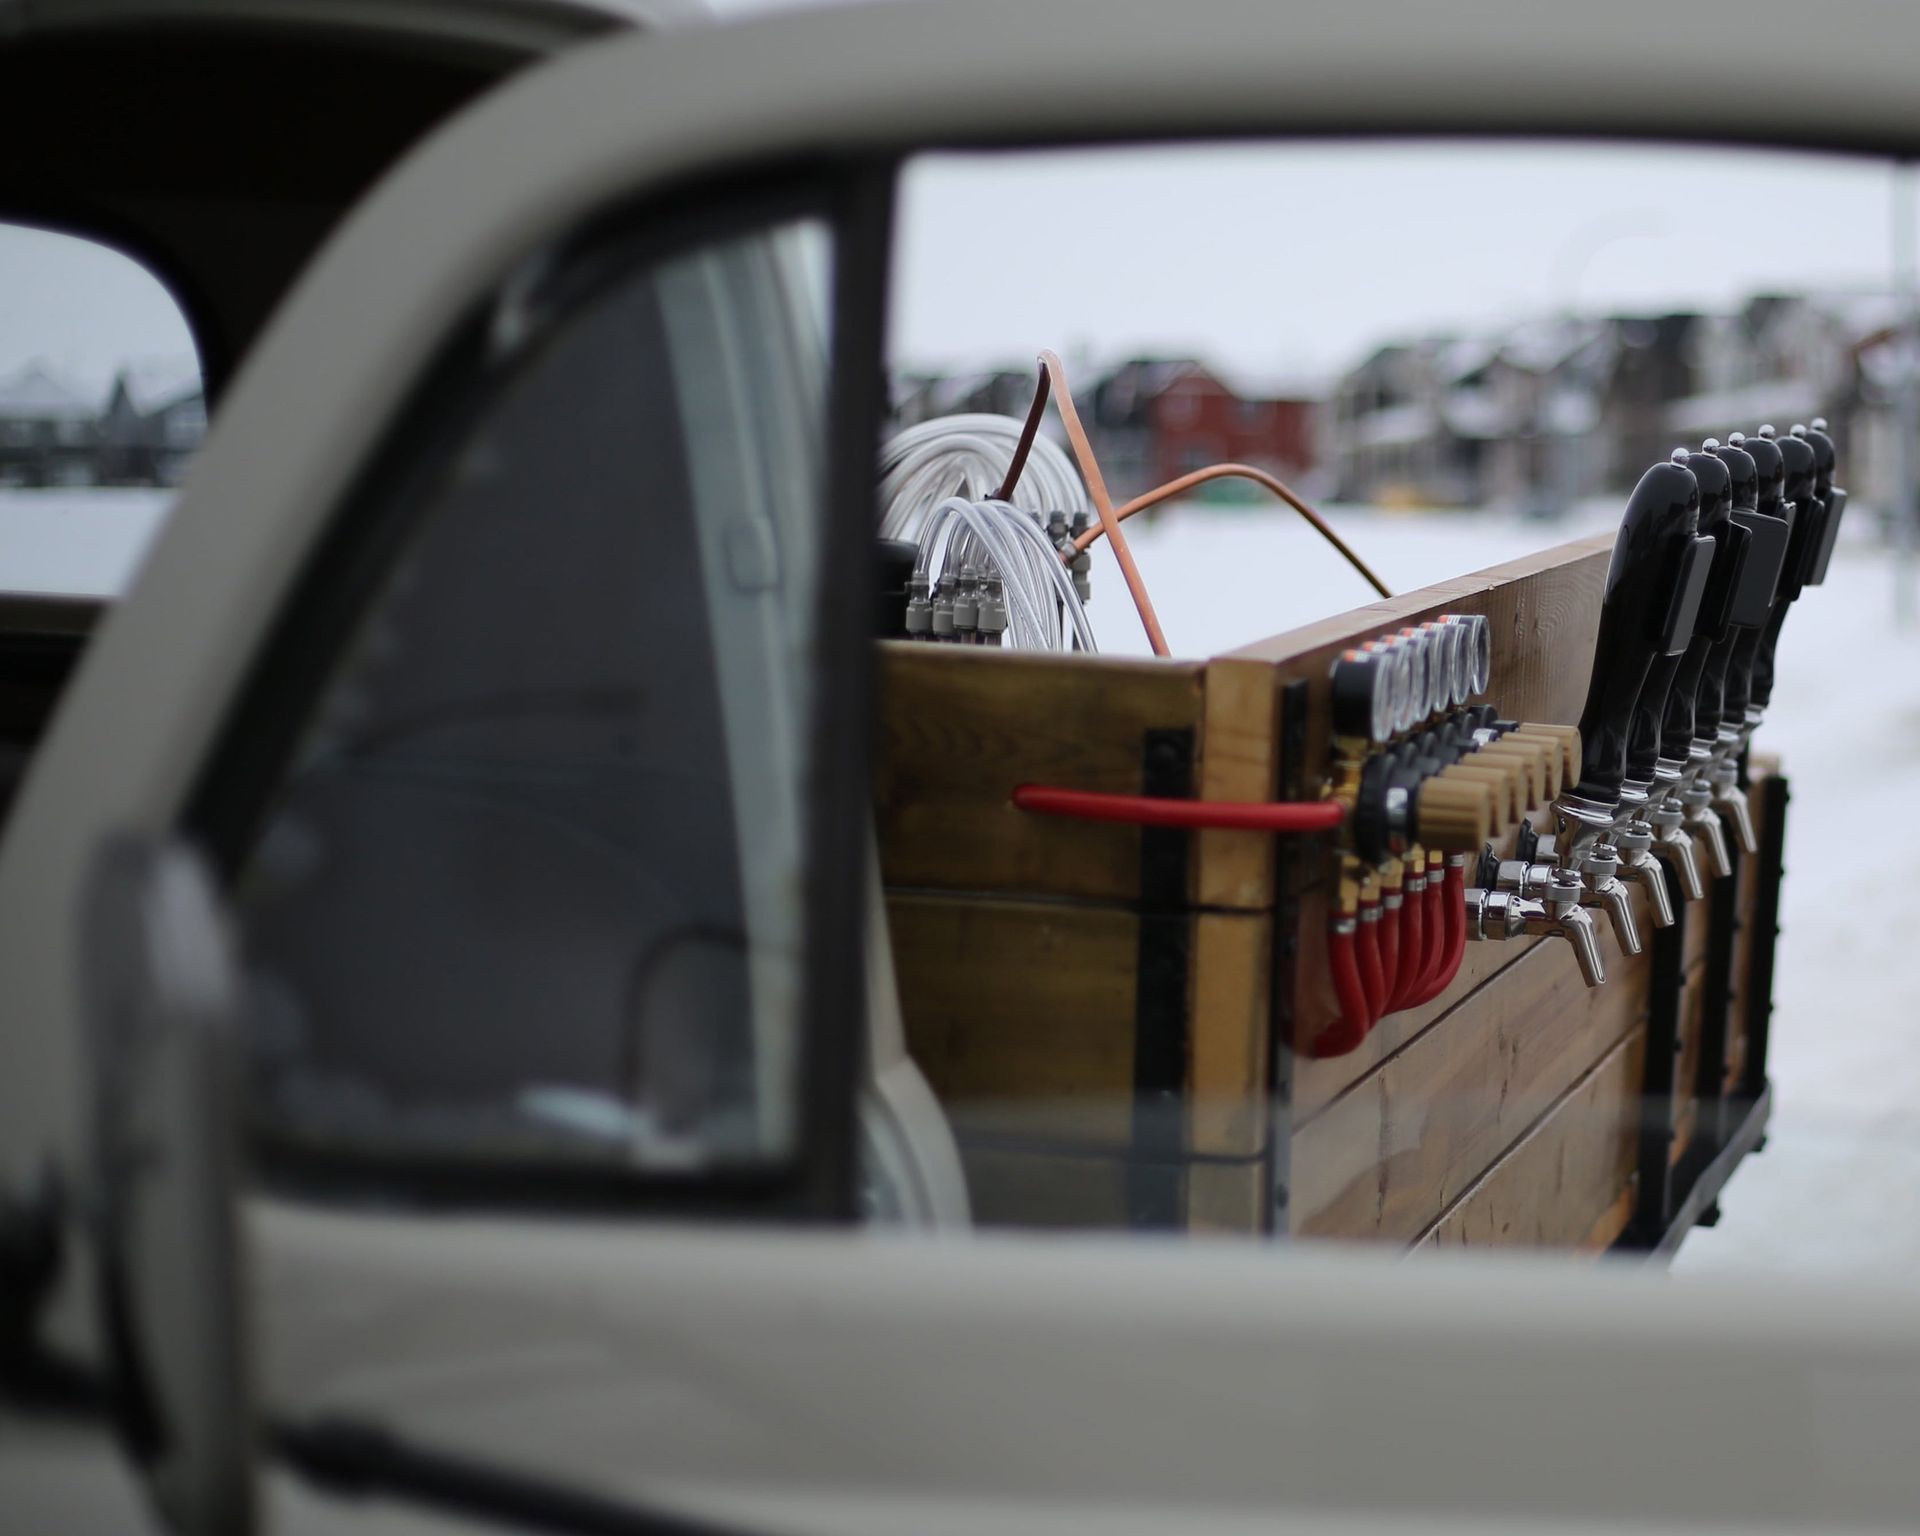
[
  {"x": 1651, "y": 771},
  {"x": 1555, "y": 912},
  {"x": 1677, "y": 753},
  {"x": 1720, "y": 703},
  {"x": 1833, "y": 496},
  {"x": 1737, "y": 716},
  {"x": 1648, "y": 612},
  {"x": 1812, "y": 525}
]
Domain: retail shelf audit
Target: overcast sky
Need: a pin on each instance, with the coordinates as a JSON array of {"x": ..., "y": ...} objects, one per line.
[
  {"x": 1278, "y": 261},
  {"x": 1291, "y": 259}
]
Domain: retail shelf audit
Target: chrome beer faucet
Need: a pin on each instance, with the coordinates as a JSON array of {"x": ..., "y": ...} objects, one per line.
[
  {"x": 1655, "y": 585},
  {"x": 1555, "y": 911}
]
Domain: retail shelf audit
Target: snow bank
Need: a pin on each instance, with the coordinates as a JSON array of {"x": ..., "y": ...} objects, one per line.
[{"x": 76, "y": 542}]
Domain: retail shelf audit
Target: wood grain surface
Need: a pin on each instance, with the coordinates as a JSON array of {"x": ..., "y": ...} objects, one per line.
[
  {"x": 1388, "y": 1157},
  {"x": 1504, "y": 1111},
  {"x": 1567, "y": 1183},
  {"x": 962, "y": 725}
]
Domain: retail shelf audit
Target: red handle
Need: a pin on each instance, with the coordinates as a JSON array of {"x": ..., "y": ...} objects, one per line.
[{"x": 1208, "y": 815}]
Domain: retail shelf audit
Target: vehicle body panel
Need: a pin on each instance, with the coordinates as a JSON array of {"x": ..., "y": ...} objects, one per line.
[{"x": 848, "y": 1382}]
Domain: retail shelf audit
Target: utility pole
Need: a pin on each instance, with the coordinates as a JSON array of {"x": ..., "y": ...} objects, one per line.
[{"x": 1906, "y": 506}]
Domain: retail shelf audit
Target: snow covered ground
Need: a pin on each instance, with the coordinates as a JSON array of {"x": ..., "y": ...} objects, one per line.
[
  {"x": 75, "y": 541},
  {"x": 1838, "y": 1186}
]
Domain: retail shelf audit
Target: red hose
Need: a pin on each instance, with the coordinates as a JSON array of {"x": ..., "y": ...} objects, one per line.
[
  {"x": 1367, "y": 947},
  {"x": 1147, "y": 811},
  {"x": 1389, "y": 940},
  {"x": 1451, "y": 922},
  {"x": 1345, "y": 1033},
  {"x": 1413, "y": 930},
  {"x": 1434, "y": 951}
]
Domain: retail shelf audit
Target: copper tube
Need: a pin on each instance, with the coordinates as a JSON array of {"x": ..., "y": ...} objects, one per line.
[
  {"x": 1260, "y": 477},
  {"x": 1102, "y": 503}
]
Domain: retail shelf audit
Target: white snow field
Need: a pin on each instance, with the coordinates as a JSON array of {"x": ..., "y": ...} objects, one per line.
[
  {"x": 76, "y": 541},
  {"x": 1838, "y": 1185}
]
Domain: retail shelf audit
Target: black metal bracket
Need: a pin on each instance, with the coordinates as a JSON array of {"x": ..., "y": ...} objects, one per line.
[
  {"x": 1775, "y": 793},
  {"x": 1731, "y": 1124},
  {"x": 1156, "y": 1173},
  {"x": 1715, "y": 1118},
  {"x": 1659, "y": 1102},
  {"x": 1289, "y": 854},
  {"x": 1701, "y": 1204}
]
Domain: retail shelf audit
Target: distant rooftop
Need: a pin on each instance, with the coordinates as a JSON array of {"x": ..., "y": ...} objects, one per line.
[{"x": 35, "y": 393}]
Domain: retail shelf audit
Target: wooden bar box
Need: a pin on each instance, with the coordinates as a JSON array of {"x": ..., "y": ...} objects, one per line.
[{"x": 1110, "y": 1015}]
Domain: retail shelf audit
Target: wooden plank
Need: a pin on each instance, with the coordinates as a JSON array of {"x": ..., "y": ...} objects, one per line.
[
  {"x": 1239, "y": 760},
  {"x": 1317, "y": 1083},
  {"x": 1686, "y": 1071},
  {"x": 1567, "y": 1182},
  {"x": 1227, "y": 1064},
  {"x": 1387, "y": 1158},
  {"x": 1021, "y": 1014},
  {"x": 1543, "y": 614},
  {"x": 1693, "y": 953},
  {"x": 962, "y": 725},
  {"x": 1023, "y": 1017},
  {"x": 1605, "y": 1232}
]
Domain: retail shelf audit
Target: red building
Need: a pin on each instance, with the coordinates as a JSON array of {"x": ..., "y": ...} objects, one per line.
[{"x": 1156, "y": 419}]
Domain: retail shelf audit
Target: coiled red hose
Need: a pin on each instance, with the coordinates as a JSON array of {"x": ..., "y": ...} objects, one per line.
[
  {"x": 1449, "y": 924},
  {"x": 1413, "y": 931},
  {"x": 1433, "y": 953},
  {"x": 1345, "y": 1033},
  {"x": 1389, "y": 940},
  {"x": 1367, "y": 947}
]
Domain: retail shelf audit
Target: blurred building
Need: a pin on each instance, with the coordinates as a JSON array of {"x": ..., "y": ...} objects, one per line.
[
  {"x": 998, "y": 391},
  {"x": 1149, "y": 419},
  {"x": 1155, "y": 419},
  {"x": 1529, "y": 418},
  {"x": 154, "y": 420},
  {"x": 54, "y": 434},
  {"x": 48, "y": 430},
  {"x": 1537, "y": 416}
]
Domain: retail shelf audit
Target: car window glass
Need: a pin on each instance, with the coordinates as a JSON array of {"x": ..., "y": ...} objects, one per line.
[
  {"x": 531, "y": 887},
  {"x": 101, "y": 409},
  {"x": 1456, "y": 355}
]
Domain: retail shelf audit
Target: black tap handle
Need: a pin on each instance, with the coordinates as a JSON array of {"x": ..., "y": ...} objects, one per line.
[
  {"x": 1825, "y": 466},
  {"x": 1772, "y": 470},
  {"x": 1752, "y": 593},
  {"x": 1730, "y": 545},
  {"x": 1809, "y": 523},
  {"x": 1648, "y": 610}
]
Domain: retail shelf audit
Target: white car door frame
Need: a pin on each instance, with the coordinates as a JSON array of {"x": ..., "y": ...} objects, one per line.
[{"x": 853, "y": 1382}]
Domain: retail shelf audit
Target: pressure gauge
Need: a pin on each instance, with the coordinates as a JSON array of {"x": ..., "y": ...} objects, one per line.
[
  {"x": 1453, "y": 641},
  {"x": 1440, "y": 664},
  {"x": 1398, "y": 660},
  {"x": 1363, "y": 696},
  {"x": 1418, "y": 661},
  {"x": 1479, "y": 650}
]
